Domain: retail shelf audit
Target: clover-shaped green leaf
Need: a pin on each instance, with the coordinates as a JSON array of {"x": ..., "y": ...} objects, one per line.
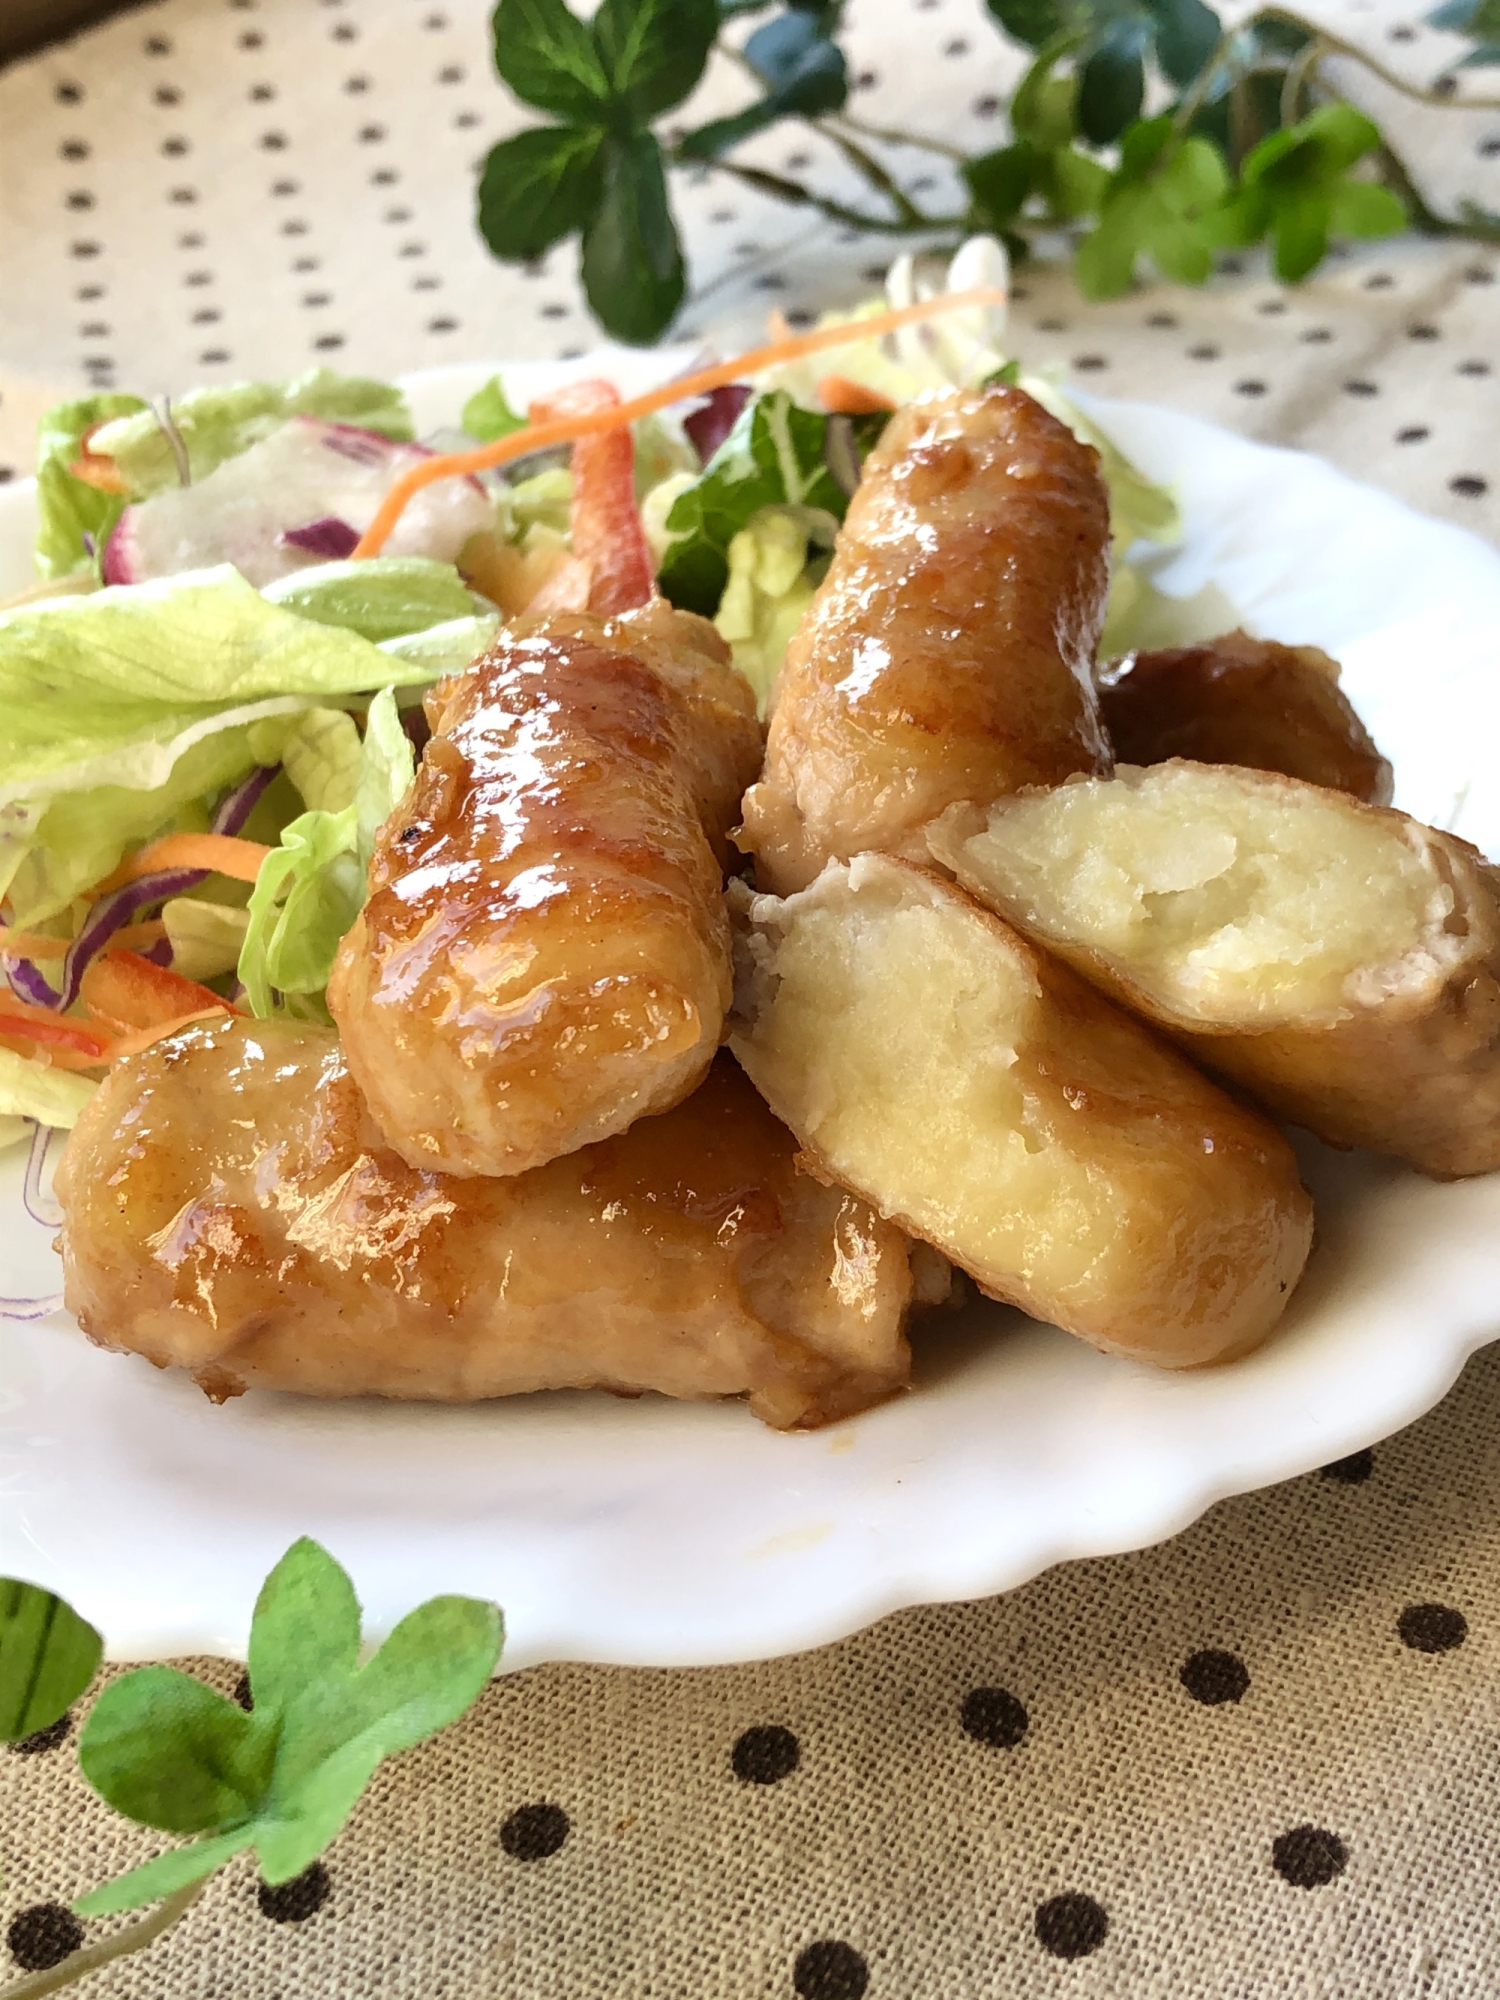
[
  {"x": 1158, "y": 204},
  {"x": 169, "y": 1752},
  {"x": 1297, "y": 188},
  {"x": 48, "y": 1656}
]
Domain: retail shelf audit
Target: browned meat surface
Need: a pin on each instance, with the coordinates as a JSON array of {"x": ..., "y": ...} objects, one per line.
[
  {"x": 1238, "y": 700},
  {"x": 543, "y": 957},
  {"x": 231, "y": 1209},
  {"x": 948, "y": 655}
]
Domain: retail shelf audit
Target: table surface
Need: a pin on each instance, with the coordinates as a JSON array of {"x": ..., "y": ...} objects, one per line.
[{"x": 1260, "y": 1759}]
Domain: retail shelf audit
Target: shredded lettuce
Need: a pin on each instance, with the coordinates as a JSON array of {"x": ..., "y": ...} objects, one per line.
[
  {"x": 545, "y": 500},
  {"x": 79, "y": 836},
  {"x": 770, "y": 586},
  {"x": 72, "y": 515},
  {"x": 384, "y": 597},
  {"x": 488, "y": 414},
  {"x": 776, "y": 455},
  {"x": 322, "y": 753},
  {"x": 206, "y": 938},
  {"x": 311, "y": 888},
  {"x": 114, "y": 687},
  {"x": 212, "y": 425},
  {"x": 442, "y": 649},
  {"x": 30, "y": 1089}
]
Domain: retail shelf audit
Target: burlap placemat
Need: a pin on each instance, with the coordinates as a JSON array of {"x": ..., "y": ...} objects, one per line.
[{"x": 1258, "y": 1761}]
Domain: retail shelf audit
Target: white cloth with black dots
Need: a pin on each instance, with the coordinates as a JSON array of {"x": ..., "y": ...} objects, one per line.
[{"x": 1259, "y": 1760}]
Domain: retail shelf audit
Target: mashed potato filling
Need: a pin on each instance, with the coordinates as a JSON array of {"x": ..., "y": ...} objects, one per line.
[
  {"x": 973, "y": 1090},
  {"x": 1224, "y": 891},
  {"x": 891, "y": 1020}
]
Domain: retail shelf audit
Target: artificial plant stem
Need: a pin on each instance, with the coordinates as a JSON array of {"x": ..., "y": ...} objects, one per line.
[
  {"x": 888, "y": 137},
  {"x": 1299, "y": 74},
  {"x": 1197, "y": 92},
  {"x": 865, "y": 163},
  {"x": 1336, "y": 45},
  {"x": 135, "y": 1937},
  {"x": 853, "y": 218}
]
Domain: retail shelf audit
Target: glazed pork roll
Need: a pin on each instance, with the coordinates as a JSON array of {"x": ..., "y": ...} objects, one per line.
[
  {"x": 1340, "y": 961},
  {"x": 978, "y": 1093},
  {"x": 231, "y": 1209},
  {"x": 949, "y": 652},
  {"x": 543, "y": 956}
]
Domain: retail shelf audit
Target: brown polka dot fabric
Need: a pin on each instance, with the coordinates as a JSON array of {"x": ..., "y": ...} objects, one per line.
[{"x": 1260, "y": 1760}]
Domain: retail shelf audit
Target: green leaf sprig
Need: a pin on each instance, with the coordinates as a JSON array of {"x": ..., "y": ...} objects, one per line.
[
  {"x": 598, "y": 172},
  {"x": 1149, "y": 135},
  {"x": 281, "y": 1778}
]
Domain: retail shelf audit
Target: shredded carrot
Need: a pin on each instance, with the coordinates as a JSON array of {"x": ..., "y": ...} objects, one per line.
[
  {"x": 131, "y": 1045},
  {"x": 97, "y": 468},
  {"x": 539, "y": 437},
  {"x": 32, "y": 945},
  {"x": 41, "y": 1025},
  {"x": 608, "y": 535},
  {"x": 220, "y": 853},
  {"x": 842, "y": 397},
  {"x": 55, "y": 1057}
]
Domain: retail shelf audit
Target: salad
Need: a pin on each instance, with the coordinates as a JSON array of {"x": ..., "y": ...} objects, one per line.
[{"x": 213, "y": 703}]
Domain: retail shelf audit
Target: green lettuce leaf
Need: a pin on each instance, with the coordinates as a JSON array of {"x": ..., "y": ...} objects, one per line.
[
  {"x": 113, "y": 687},
  {"x": 35, "y": 1090},
  {"x": 311, "y": 888},
  {"x": 770, "y": 586},
  {"x": 69, "y": 509},
  {"x": 206, "y": 938},
  {"x": 442, "y": 649},
  {"x": 215, "y": 424},
  {"x": 80, "y": 836},
  {"x": 774, "y": 456},
  {"x": 488, "y": 414},
  {"x": 385, "y": 597},
  {"x": 322, "y": 752}
]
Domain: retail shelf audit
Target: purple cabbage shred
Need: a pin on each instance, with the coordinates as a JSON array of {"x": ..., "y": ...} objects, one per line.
[
  {"x": 715, "y": 417},
  {"x": 329, "y": 537},
  {"x": 41, "y": 1206}
]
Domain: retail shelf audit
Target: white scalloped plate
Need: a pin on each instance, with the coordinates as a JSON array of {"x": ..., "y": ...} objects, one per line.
[{"x": 655, "y": 1533}]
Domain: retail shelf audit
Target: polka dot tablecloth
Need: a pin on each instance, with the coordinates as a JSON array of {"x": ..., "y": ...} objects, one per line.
[{"x": 1261, "y": 1760}]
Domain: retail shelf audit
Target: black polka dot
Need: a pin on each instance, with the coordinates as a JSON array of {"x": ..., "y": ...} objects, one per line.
[
  {"x": 167, "y": 94},
  {"x": 1214, "y": 1677},
  {"x": 958, "y": 47},
  {"x": 1432, "y": 1628},
  {"x": 986, "y": 107},
  {"x": 1204, "y": 352},
  {"x": 295, "y": 1901},
  {"x": 1473, "y": 368},
  {"x": 74, "y": 149},
  {"x": 1250, "y": 387},
  {"x": 273, "y": 142},
  {"x": 1071, "y": 1926},
  {"x": 1469, "y": 485},
  {"x": 1090, "y": 363},
  {"x": 1316, "y": 336},
  {"x": 765, "y": 1755},
  {"x": 1379, "y": 281},
  {"x": 42, "y": 1740},
  {"x": 1163, "y": 320},
  {"x": 531, "y": 1833},
  {"x": 866, "y": 80},
  {"x": 357, "y": 85},
  {"x": 252, "y": 41},
  {"x": 84, "y": 249},
  {"x": 1402, "y": 34},
  {"x": 442, "y": 326},
  {"x": 79, "y": 198},
  {"x": 371, "y": 135},
  {"x": 68, "y": 93},
  {"x": 157, "y": 45},
  {"x": 1412, "y": 434},
  {"x": 42, "y": 1936},
  {"x": 327, "y": 342},
  {"x": 1422, "y": 330},
  {"x": 829, "y": 1970},
  {"x": 1353, "y": 1470},
  {"x": 1308, "y": 1856},
  {"x": 994, "y": 1716},
  {"x": 1360, "y": 387},
  {"x": 1479, "y": 274},
  {"x": 262, "y": 93},
  {"x": 1271, "y": 307}
]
